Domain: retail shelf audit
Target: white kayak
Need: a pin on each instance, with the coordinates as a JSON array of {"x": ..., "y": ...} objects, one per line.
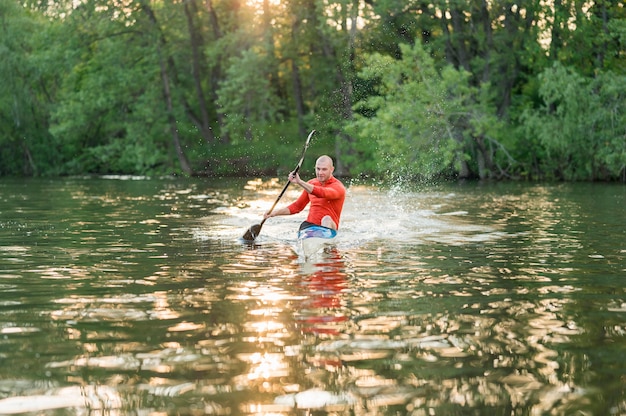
[{"x": 313, "y": 239}]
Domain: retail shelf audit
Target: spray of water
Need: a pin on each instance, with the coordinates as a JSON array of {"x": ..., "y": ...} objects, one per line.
[{"x": 376, "y": 214}]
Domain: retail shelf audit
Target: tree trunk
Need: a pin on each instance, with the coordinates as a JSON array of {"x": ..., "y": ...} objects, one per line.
[
  {"x": 297, "y": 85},
  {"x": 180, "y": 153},
  {"x": 196, "y": 42},
  {"x": 454, "y": 34},
  {"x": 216, "y": 69},
  {"x": 602, "y": 48},
  {"x": 486, "y": 24},
  {"x": 29, "y": 166},
  {"x": 297, "y": 95},
  {"x": 268, "y": 30},
  {"x": 556, "y": 32},
  {"x": 167, "y": 95},
  {"x": 485, "y": 158},
  {"x": 345, "y": 76}
]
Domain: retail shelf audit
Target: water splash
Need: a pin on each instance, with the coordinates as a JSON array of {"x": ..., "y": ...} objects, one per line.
[{"x": 371, "y": 213}]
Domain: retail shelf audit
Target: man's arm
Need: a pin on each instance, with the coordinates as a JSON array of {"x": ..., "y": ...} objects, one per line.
[
  {"x": 277, "y": 212},
  {"x": 295, "y": 178},
  {"x": 293, "y": 208},
  {"x": 335, "y": 191}
]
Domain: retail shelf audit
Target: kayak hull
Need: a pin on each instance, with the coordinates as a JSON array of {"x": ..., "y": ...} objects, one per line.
[{"x": 312, "y": 240}]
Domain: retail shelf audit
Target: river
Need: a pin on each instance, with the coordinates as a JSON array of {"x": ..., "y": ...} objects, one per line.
[{"x": 136, "y": 296}]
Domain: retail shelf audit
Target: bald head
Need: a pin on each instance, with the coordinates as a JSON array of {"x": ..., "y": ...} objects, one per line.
[
  {"x": 324, "y": 168},
  {"x": 327, "y": 160}
]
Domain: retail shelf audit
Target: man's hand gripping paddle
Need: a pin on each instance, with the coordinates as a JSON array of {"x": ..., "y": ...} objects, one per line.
[{"x": 253, "y": 232}]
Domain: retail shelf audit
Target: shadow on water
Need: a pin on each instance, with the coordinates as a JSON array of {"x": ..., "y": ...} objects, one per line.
[{"x": 135, "y": 296}]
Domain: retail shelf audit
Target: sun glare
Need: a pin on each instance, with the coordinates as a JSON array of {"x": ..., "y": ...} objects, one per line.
[{"x": 259, "y": 3}]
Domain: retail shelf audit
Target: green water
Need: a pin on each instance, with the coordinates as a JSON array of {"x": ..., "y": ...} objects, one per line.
[{"x": 131, "y": 296}]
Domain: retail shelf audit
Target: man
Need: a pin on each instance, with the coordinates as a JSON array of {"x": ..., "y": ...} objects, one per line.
[{"x": 325, "y": 193}]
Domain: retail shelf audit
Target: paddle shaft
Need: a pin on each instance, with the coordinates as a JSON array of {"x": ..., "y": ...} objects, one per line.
[
  {"x": 279, "y": 196},
  {"x": 254, "y": 231}
]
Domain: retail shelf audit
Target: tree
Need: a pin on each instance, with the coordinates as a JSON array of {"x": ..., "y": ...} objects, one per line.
[
  {"x": 245, "y": 95},
  {"x": 198, "y": 65},
  {"x": 582, "y": 125},
  {"x": 335, "y": 42},
  {"x": 425, "y": 123},
  {"x": 104, "y": 106},
  {"x": 28, "y": 81}
]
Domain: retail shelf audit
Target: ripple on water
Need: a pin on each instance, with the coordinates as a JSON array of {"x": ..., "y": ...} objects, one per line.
[{"x": 472, "y": 300}]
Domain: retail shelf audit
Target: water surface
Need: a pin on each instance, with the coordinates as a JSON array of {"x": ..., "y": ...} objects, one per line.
[{"x": 136, "y": 296}]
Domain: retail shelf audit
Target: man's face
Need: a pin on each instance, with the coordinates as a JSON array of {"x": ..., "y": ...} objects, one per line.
[{"x": 323, "y": 170}]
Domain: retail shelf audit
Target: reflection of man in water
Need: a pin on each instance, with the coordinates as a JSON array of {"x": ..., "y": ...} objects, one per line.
[
  {"x": 323, "y": 311},
  {"x": 325, "y": 193}
]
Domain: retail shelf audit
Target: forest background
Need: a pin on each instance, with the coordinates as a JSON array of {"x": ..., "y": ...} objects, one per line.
[{"x": 529, "y": 89}]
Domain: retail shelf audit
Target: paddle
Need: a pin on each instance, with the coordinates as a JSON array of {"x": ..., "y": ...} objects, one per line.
[{"x": 253, "y": 232}]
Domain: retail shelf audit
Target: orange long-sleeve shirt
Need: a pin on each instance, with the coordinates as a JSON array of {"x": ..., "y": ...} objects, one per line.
[{"x": 326, "y": 199}]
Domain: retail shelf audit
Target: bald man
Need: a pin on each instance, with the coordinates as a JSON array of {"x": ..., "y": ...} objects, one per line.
[{"x": 325, "y": 193}]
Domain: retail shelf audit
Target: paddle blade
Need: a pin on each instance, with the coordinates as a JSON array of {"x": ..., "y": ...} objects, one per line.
[{"x": 252, "y": 232}]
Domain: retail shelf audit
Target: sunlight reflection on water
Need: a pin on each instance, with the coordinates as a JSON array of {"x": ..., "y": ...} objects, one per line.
[{"x": 138, "y": 296}]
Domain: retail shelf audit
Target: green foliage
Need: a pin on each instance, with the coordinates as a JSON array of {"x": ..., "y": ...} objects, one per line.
[
  {"x": 23, "y": 103},
  {"x": 246, "y": 100},
  {"x": 582, "y": 125},
  {"x": 108, "y": 116},
  {"x": 394, "y": 87},
  {"x": 425, "y": 120},
  {"x": 275, "y": 149},
  {"x": 120, "y": 156}
]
